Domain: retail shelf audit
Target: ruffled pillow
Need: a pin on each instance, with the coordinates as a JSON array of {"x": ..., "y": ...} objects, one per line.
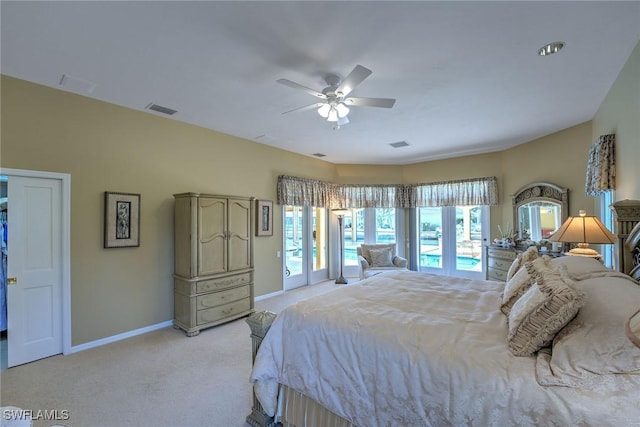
[
  {"x": 537, "y": 316},
  {"x": 529, "y": 255},
  {"x": 521, "y": 282}
]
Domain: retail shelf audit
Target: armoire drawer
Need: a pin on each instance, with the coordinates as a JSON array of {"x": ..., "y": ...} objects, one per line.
[
  {"x": 223, "y": 282},
  {"x": 222, "y": 311},
  {"x": 224, "y": 297}
]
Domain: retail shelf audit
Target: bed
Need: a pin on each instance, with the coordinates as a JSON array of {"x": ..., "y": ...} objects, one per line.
[{"x": 414, "y": 349}]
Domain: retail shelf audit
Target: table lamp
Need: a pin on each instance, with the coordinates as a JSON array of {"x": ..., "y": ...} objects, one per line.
[{"x": 583, "y": 230}]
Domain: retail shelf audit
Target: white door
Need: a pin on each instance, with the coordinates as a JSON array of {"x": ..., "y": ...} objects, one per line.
[{"x": 34, "y": 299}]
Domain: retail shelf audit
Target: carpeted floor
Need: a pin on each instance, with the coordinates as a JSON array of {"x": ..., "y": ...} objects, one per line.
[{"x": 158, "y": 379}]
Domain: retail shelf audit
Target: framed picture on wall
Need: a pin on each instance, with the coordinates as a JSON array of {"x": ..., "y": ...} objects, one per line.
[
  {"x": 264, "y": 218},
  {"x": 121, "y": 220}
]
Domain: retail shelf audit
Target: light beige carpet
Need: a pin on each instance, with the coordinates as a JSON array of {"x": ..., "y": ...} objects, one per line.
[{"x": 161, "y": 378}]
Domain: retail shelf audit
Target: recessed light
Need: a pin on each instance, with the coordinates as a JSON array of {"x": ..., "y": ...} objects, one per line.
[{"x": 550, "y": 49}]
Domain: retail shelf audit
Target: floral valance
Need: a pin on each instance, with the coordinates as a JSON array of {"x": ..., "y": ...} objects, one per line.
[
  {"x": 601, "y": 167},
  {"x": 307, "y": 192}
]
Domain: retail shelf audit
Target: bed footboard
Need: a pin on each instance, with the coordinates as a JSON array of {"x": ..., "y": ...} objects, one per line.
[{"x": 259, "y": 323}]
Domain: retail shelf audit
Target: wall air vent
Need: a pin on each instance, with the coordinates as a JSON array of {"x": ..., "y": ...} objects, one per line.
[
  {"x": 160, "y": 109},
  {"x": 319, "y": 155},
  {"x": 399, "y": 144}
]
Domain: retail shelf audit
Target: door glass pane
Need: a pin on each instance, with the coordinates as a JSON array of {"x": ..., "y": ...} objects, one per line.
[
  {"x": 319, "y": 224},
  {"x": 385, "y": 225},
  {"x": 353, "y": 235},
  {"x": 468, "y": 238},
  {"x": 293, "y": 239},
  {"x": 430, "y": 226}
]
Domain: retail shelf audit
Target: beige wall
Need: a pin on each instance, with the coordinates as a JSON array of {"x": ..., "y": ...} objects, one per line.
[
  {"x": 110, "y": 148},
  {"x": 620, "y": 114}
]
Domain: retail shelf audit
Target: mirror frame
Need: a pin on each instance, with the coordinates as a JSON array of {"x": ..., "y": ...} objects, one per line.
[{"x": 540, "y": 192}]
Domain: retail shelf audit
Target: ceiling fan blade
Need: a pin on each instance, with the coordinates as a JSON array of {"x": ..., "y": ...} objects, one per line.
[
  {"x": 299, "y": 86},
  {"x": 306, "y": 107},
  {"x": 355, "y": 77},
  {"x": 370, "y": 102}
]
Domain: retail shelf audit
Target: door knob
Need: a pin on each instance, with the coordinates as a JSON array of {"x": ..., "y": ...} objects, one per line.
[{"x": 12, "y": 280}]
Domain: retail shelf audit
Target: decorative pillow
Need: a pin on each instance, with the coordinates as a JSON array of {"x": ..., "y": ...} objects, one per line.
[
  {"x": 542, "y": 311},
  {"x": 381, "y": 257},
  {"x": 521, "y": 282},
  {"x": 529, "y": 255},
  {"x": 595, "y": 342},
  {"x": 366, "y": 249}
]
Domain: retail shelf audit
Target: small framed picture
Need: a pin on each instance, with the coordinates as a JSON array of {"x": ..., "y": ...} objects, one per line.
[
  {"x": 121, "y": 220},
  {"x": 264, "y": 218}
]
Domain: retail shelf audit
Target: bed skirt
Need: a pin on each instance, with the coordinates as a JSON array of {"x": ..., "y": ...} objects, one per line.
[{"x": 298, "y": 410}]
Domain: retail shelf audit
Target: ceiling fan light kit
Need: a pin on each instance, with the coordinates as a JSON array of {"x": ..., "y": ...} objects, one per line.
[{"x": 333, "y": 106}]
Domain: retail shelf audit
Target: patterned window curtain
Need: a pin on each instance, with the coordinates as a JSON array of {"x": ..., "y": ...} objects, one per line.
[
  {"x": 296, "y": 191},
  {"x": 355, "y": 196},
  {"x": 307, "y": 192},
  {"x": 469, "y": 192},
  {"x": 601, "y": 167}
]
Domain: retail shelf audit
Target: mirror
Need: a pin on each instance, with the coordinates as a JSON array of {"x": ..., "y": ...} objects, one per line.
[{"x": 539, "y": 209}]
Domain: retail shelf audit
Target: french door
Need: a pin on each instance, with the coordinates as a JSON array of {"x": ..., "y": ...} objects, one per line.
[
  {"x": 450, "y": 240},
  {"x": 305, "y": 246}
]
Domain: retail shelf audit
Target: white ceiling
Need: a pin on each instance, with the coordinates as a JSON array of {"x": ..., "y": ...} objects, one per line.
[{"x": 466, "y": 75}]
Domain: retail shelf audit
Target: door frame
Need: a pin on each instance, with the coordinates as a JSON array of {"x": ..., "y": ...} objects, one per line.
[{"x": 65, "y": 206}]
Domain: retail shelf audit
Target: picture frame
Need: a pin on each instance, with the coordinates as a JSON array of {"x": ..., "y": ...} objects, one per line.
[
  {"x": 121, "y": 220},
  {"x": 264, "y": 218}
]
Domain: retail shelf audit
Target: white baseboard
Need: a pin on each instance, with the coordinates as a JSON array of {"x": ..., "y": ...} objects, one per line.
[
  {"x": 272, "y": 294},
  {"x": 124, "y": 335}
]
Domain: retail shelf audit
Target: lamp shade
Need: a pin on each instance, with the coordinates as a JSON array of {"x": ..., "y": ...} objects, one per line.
[
  {"x": 583, "y": 230},
  {"x": 340, "y": 212}
]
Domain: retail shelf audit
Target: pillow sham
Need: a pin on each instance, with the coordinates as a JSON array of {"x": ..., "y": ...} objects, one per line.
[
  {"x": 580, "y": 267},
  {"x": 529, "y": 255},
  {"x": 595, "y": 342},
  {"x": 520, "y": 283},
  {"x": 549, "y": 304},
  {"x": 381, "y": 257}
]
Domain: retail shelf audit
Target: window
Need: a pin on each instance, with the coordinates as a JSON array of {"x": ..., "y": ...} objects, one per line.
[
  {"x": 450, "y": 239},
  {"x": 606, "y": 199}
]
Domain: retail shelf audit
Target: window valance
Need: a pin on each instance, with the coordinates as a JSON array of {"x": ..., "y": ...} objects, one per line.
[
  {"x": 601, "y": 167},
  {"x": 308, "y": 192}
]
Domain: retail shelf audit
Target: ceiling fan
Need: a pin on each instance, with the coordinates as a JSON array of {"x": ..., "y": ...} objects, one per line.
[{"x": 334, "y": 100}]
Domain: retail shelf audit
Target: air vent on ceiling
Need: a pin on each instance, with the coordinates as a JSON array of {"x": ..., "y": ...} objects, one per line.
[
  {"x": 319, "y": 155},
  {"x": 160, "y": 109},
  {"x": 74, "y": 84},
  {"x": 399, "y": 144}
]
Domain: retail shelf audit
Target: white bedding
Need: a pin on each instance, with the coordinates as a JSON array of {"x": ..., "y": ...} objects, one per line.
[{"x": 414, "y": 349}]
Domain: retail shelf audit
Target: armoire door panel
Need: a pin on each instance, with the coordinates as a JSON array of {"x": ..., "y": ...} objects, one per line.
[
  {"x": 212, "y": 236},
  {"x": 239, "y": 235}
]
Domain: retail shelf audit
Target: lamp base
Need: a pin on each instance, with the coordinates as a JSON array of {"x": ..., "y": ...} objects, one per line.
[
  {"x": 341, "y": 281},
  {"x": 586, "y": 252}
]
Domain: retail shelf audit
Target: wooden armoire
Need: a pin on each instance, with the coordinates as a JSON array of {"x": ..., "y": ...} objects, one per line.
[{"x": 213, "y": 276}]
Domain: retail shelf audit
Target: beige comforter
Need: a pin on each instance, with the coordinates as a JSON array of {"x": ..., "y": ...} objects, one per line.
[{"x": 414, "y": 349}]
